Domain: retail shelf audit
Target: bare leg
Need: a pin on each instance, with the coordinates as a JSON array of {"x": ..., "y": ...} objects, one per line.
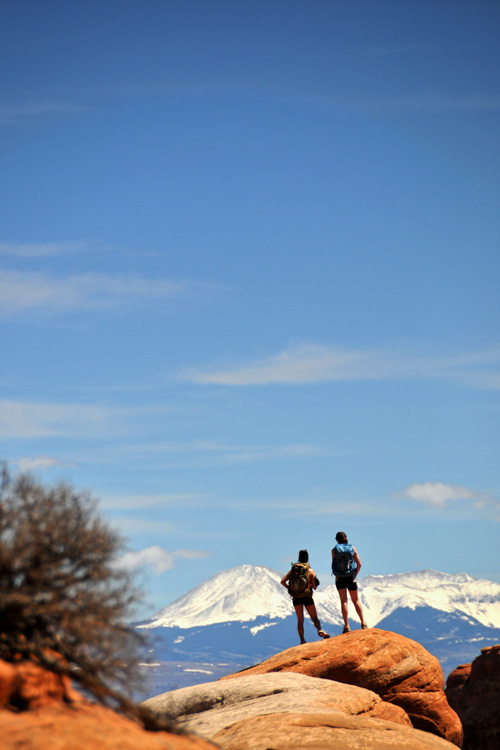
[
  {"x": 357, "y": 606},
  {"x": 311, "y": 611},
  {"x": 299, "y": 611},
  {"x": 343, "y": 606}
]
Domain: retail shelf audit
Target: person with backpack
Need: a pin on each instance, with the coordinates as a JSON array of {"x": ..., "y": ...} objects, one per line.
[
  {"x": 300, "y": 581},
  {"x": 345, "y": 567}
]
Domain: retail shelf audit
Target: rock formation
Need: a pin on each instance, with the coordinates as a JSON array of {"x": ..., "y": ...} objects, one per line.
[
  {"x": 40, "y": 710},
  {"x": 286, "y": 711},
  {"x": 363, "y": 689},
  {"x": 473, "y": 691},
  {"x": 25, "y": 686},
  {"x": 398, "y": 669},
  {"x": 325, "y": 730},
  {"x": 249, "y": 696}
]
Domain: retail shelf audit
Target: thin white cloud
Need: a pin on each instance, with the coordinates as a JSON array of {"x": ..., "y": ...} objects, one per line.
[
  {"x": 277, "y": 453},
  {"x": 311, "y": 363},
  {"x": 132, "y": 502},
  {"x": 21, "y": 291},
  {"x": 40, "y": 463},
  {"x": 189, "y": 455},
  {"x": 299, "y": 365},
  {"x": 26, "y": 420},
  {"x": 437, "y": 494},
  {"x": 434, "y": 494},
  {"x": 20, "y": 419},
  {"x": 440, "y": 494},
  {"x": 315, "y": 504},
  {"x": 478, "y": 379},
  {"x": 29, "y": 112},
  {"x": 43, "y": 249},
  {"x": 205, "y": 452},
  {"x": 157, "y": 559}
]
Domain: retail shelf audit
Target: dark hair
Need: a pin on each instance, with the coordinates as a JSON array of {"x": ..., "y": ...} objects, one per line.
[
  {"x": 341, "y": 537},
  {"x": 303, "y": 556}
]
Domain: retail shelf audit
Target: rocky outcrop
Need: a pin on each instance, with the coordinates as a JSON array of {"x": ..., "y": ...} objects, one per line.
[
  {"x": 325, "y": 730},
  {"x": 398, "y": 669},
  {"x": 86, "y": 727},
  {"x": 210, "y": 707},
  {"x": 40, "y": 710},
  {"x": 473, "y": 690},
  {"x": 362, "y": 689},
  {"x": 25, "y": 686},
  {"x": 286, "y": 711}
]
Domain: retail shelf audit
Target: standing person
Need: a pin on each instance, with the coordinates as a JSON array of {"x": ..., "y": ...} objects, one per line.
[
  {"x": 345, "y": 567},
  {"x": 300, "y": 581}
]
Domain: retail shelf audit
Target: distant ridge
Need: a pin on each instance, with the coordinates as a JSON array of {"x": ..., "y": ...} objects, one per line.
[
  {"x": 248, "y": 592},
  {"x": 243, "y": 615},
  {"x": 238, "y": 594}
]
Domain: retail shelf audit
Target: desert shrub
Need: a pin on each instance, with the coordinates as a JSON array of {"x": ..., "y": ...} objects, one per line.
[{"x": 63, "y": 600}]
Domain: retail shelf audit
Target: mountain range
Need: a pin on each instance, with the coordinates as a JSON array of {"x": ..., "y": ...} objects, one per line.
[{"x": 243, "y": 615}]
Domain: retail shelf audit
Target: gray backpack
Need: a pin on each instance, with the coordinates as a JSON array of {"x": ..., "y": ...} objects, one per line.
[{"x": 298, "y": 581}]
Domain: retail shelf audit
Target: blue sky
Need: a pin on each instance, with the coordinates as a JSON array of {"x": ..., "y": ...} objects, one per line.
[{"x": 249, "y": 277}]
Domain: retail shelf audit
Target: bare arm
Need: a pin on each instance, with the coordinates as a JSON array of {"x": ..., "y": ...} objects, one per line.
[
  {"x": 312, "y": 579},
  {"x": 357, "y": 561},
  {"x": 284, "y": 580}
]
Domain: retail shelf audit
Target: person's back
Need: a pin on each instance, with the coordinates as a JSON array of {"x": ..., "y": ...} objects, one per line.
[
  {"x": 300, "y": 581},
  {"x": 346, "y": 565},
  {"x": 343, "y": 562}
]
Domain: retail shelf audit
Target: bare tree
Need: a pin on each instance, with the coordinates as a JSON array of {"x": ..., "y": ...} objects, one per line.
[{"x": 63, "y": 600}]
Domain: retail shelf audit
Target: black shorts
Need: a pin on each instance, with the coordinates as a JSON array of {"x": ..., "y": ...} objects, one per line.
[
  {"x": 305, "y": 600},
  {"x": 346, "y": 582}
]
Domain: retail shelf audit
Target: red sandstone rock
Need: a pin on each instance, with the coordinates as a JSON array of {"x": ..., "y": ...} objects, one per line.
[
  {"x": 324, "y": 730},
  {"x": 398, "y": 669},
  {"x": 458, "y": 677},
  {"x": 40, "y": 710},
  {"x": 473, "y": 691},
  {"x": 390, "y": 712},
  {"x": 24, "y": 685},
  {"x": 85, "y": 727}
]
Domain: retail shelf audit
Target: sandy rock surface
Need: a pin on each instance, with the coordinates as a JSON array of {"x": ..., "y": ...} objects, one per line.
[
  {"x": 398, "y": 669},
  {"x": 325, "y": 730},
  {"x": 211, "y": 707}
]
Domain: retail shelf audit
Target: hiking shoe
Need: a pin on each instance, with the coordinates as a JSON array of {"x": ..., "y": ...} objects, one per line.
[
  {"x": 363, "y": 627},
  {"x": 346, "y": 629},
  {"x": 322, "y": 634}
]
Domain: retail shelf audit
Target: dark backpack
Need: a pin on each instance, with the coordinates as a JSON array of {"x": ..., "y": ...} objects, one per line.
[
  {"x": 298, "y": 581},
  {"x": 343, "y": 564}
]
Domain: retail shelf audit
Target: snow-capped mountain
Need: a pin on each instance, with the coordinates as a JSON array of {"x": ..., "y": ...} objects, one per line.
[
  {"x": 480, "y": 599},
  {"x": 242, "y": 594},
  {"x": 243, "y": 615},
  {"x": 247, "y": 592}
]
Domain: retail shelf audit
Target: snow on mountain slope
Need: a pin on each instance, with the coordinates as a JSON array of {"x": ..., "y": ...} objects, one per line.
[
  {"x": 247, "y": 592},
  {"x": 243, "y": 593},
  {"x": 382, "y": 595}
]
